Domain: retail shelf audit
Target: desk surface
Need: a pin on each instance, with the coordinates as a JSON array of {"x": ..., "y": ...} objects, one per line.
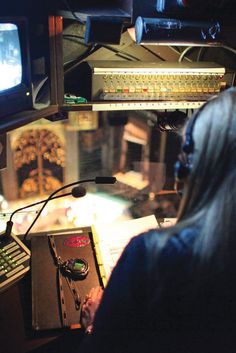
[{"x": 16, "y": 335}]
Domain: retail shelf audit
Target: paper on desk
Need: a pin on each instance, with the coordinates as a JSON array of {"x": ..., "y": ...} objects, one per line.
[{"x": 112, "y": 238}]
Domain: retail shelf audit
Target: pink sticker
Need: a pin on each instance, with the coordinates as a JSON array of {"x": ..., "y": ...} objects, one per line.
[{"x": 77, "y": 241}]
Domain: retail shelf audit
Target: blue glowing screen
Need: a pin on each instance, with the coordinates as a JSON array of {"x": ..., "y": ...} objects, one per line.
[{"x": 10, "y": 56}]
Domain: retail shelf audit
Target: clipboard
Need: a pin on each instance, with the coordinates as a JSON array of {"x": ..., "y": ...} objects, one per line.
[{"x": 46, "y": 305}]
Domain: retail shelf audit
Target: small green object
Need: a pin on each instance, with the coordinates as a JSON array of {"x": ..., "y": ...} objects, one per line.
[
  {"x": 72, "y": 99},
  {"x": 78, "y": 265}
]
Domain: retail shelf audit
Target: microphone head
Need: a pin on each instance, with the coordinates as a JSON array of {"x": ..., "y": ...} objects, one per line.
[
  {"x": 105, "y": 180},
  {"x": 78, "y": 191}
]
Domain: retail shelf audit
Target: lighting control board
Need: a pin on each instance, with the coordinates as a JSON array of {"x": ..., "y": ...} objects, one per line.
[
  {"x": 149, "y": 81},
  {"x": 14, "y": 260}
]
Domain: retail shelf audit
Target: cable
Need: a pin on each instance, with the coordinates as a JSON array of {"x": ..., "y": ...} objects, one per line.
[
  {"x": 51, "y": 196},
  {"x": 184, "y": 52},
  {"x": 35, "y": 204},
  {"x": 88, "y": 52},
  {"x": 200, "y": 53},
  {"x": 78, "y": 60},
  {"x": 96, "y": 180},
  {"x": 226, "y": 47}
]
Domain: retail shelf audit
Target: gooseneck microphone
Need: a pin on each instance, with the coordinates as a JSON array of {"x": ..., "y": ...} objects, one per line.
[
  {"x": 13, "y": 268},
  {"x": 96, "y": 180},
  {"x": 78, "y": 191},
  {"x": 105, "y": 180}
]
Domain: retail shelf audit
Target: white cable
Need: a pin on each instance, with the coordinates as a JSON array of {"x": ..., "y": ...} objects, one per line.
[{"x": 184, "y": 52}]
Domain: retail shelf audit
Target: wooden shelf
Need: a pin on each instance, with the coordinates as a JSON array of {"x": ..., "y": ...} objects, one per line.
[
  {"x": 17, "y": 120},
  {"x": 132, "y": 105}
]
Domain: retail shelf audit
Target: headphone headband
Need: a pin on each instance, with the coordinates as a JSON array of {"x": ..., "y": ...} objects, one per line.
[
  {"x": 183, "y": 166},
  {"x": 188, "y": 145}
]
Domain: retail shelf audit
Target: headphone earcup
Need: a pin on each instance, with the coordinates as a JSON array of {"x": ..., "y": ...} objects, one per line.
[{"x": 181, "y": 170}]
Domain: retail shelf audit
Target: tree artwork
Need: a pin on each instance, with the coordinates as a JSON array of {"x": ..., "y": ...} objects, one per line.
[{"x": 39, "y": 159}]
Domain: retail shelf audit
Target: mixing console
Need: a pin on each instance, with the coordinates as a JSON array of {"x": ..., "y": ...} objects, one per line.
[
  {"x": 159, "y": 81},
  {"x": 14, "y": 260}
]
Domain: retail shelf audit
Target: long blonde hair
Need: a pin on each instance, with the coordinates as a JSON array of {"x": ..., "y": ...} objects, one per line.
[{"x": 210, "y": 192}]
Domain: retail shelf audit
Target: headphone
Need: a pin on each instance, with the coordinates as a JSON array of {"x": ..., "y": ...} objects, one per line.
[{"x": 183, "y": 166}]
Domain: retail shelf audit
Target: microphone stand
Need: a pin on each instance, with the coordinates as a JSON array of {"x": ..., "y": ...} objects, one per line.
[
  {"x": 50, "y": 198},
  {"x": 14, "y": 254},
  {"x": 97, "y": 180},
  {"x": 17, "y": 263},
  {"x": 9, "y": 226},
  {"x": 37, "y": 203}
]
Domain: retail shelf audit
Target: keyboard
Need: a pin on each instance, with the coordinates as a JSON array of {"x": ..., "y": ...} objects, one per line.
[{"x": 14, "y": 261}]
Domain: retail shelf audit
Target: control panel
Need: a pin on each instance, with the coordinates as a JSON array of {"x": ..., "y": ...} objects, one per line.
[
  {"x": 14, "y": 261},
  {"x": 148, "y": 81}
]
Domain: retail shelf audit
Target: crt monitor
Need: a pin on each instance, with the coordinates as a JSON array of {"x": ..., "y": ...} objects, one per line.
[{"x": 15, "y": 79}]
